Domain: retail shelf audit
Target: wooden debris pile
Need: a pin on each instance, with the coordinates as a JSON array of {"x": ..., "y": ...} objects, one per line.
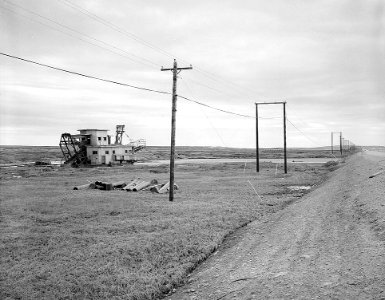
[{"x": 134, "y": 185}]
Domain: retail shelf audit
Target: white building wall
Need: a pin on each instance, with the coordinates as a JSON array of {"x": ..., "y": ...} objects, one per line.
[
  {"x": 98, "y": 137},
  {"x": 106, "y": 154}
]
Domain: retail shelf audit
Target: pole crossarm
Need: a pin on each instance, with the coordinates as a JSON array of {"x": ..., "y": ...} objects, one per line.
[
  {"x": 277, "y": 102},
  {"x": 172, "y": 69}
]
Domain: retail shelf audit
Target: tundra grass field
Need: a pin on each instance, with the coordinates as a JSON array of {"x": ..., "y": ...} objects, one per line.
[
  {"x": 59, "y": 243},
  {"x": 22, "y": 154}
]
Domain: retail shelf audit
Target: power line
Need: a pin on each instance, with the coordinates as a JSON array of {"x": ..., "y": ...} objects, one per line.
[
  {"x": 215, "y": 108},
  {"x": 125, "y": 84},
  {"x": 128, "y": 54},
  {"x": 208, "y": 119},
  {"x": 69, "y": 34},
  {"x": 303, "y": 133},
  {"x": 149, "y": 90},
  {"x": 85, "y": 75},
  {"x": 124, "y": 53},
  {"x": 111, "y": 25},
  {"x": 114, "y": 27}
]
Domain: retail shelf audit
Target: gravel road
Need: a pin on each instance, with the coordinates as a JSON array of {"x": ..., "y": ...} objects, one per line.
[{"x": 328, "y": 245}]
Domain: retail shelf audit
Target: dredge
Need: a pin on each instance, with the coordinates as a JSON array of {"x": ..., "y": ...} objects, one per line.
[{"x": 94, "y": 147}]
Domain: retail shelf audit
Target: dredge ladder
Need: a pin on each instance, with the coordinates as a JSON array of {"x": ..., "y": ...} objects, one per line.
[
  {"x": 74, "y": 153},
  {"x": 138, "y": 145}
]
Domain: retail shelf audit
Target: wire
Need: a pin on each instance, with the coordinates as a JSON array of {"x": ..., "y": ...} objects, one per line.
[
  {"x": 69, "y": 34},
  {"x": 143, "y": 42},
  {"x": 141, "y": 60},
  {"x": 207, "y": 87},
  {"x": 129, "y": 85},
  {"x": 115, "y": 27},
  {"x": 100, "y": 41},
  {"x": 207, "y": 118},
  {"x": 215, "y": 108},
  {"x": 87, "y": 76},
  {"x": 303, "y": 133}
]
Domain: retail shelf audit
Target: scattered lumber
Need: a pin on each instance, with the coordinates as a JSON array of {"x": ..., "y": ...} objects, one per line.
[
  {"x": 155, "y": 188},
  {"x": 85, "y": 186},
  {"x": 105, "y": 186},
  {"x": 376, "y": 174},
  {"x": 132, "y": 184},
  {"x": 119, "y": 184},
  {"x": 135, "y": 185},
  {"x": 164, "y": 188},
  {"x": 144, "y": 184},
  {"x": 42, "y": 163}
]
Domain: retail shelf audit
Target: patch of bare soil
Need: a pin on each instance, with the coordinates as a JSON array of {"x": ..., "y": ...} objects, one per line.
[{"x": 328, "y": 245}]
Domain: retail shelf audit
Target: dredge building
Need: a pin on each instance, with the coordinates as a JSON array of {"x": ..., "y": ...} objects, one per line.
[{"x": 94, "y": 147}]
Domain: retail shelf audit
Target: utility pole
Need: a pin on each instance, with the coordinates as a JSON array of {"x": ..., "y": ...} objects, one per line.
[
  {"x": 175, "y": 71},
  {"x": 256, "y": 137},
  {"x": 332, "y": 135},
  {"x": 284, "y": 133},
  {"x": 341, "y": 142},
  {"x": 284, "y": 137}
]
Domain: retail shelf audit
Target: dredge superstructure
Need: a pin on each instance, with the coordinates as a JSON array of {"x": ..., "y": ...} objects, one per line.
[{"x": 94, "y": 147}]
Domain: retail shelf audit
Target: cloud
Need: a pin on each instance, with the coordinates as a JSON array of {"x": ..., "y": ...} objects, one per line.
[{"x": 325, "y": 58}]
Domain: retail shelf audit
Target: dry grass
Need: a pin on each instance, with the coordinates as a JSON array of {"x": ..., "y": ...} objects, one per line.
[{"x": 57, "y": 243}]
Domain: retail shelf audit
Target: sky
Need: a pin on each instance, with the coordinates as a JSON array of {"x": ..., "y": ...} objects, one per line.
[{"x": 325, "y": 58}]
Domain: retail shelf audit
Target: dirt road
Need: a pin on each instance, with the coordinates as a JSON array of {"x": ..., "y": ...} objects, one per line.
[{"x": 328, "y": 245}]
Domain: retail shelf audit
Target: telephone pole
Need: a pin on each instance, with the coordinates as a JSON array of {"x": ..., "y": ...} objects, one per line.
[
  {"x": 256, "y": 137},
  {"x": 284, "y": 133},
  {"x": 175, "y": 71},
  {"x": 332, "y": 145}
]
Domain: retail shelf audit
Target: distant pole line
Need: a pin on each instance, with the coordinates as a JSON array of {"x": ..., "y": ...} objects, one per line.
[{"x": 175, "y": 71}]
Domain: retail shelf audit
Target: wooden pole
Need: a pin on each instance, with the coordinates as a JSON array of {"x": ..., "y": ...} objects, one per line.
[
  {"x": 174, "y": 70},
  {"x": 284, "y": 132},
  {"x": 257, "y": 137},
  {"x": 284, "y": 136},
  {"x": 173, "y": 114},
  {"x": 341, "y": 143}
]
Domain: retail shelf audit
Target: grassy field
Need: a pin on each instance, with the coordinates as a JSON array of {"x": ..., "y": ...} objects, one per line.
[{"x": 58, "y": 243}]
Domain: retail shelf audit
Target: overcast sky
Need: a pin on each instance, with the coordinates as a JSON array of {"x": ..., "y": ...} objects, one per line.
[{"x": 325, "y": 58}]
